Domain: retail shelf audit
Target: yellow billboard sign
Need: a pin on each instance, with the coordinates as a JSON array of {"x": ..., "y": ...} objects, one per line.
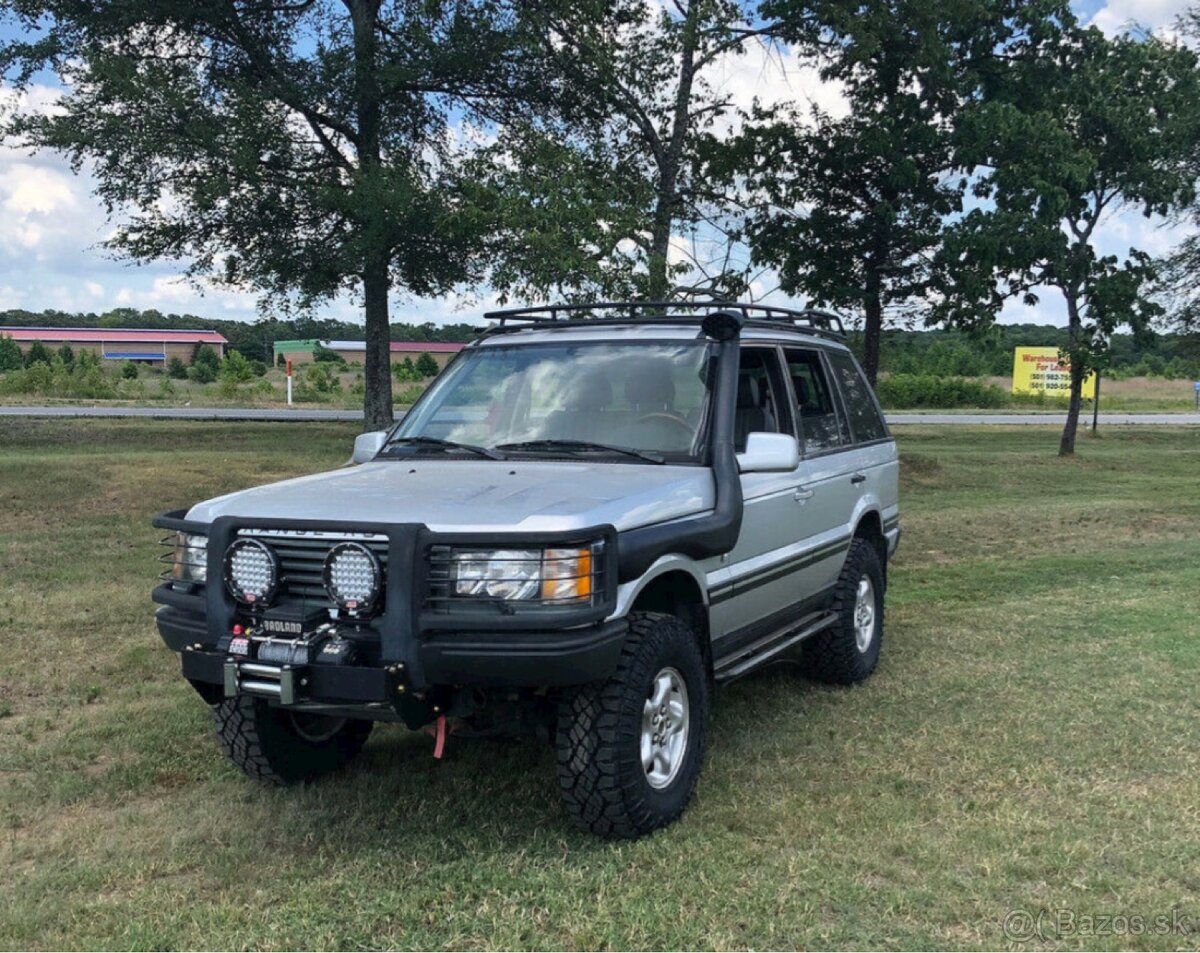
[{"x": 1038, "y": 370}]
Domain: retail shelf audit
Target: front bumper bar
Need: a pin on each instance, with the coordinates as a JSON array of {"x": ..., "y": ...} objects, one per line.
[{"x": 510, "y": 660}]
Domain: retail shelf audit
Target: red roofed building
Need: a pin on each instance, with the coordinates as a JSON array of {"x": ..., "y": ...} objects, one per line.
[{"x": 121, "y": 344}]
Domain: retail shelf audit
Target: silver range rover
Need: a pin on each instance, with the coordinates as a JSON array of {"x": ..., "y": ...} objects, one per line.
[{"x": 594, "y": 516}]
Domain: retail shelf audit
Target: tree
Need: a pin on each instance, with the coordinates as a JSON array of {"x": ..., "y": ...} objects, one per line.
[
  {"x": 406, "y": 371},
  {"x": 1113, "y": 121},
  {"x": 176, "y": 369},
  {"x": 205, "y": 364},
  {"x": 203, "y": 355},
  {"x": 10, "y": 354},
  {"x": 1177, "y": 285},
  {"x": 38, "y": 353},
  {"x": 301, "y": 148},
  {"x": 66, "y": 355},
  {"x": 426, "y": 366},
  {"x": 850, "y": 208},
  {"x": 236, "y": 369},
  {"x": 588, "y": 191}
]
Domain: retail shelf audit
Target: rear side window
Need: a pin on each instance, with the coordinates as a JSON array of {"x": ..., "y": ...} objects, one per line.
[
  {"x": 865, "y": 420},
  {"x": 820, "y": 425}
]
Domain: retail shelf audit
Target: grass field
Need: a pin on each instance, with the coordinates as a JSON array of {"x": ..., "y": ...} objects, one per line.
[{"x": 1030, "y": 741}]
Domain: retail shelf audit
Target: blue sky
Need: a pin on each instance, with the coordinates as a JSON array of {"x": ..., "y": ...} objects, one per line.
[{"x": 51, "y": 227}]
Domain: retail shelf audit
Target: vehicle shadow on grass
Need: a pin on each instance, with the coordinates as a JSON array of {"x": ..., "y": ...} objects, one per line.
[{"x": 495, "y": 795}]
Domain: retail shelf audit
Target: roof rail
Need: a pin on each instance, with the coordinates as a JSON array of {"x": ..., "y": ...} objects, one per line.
[{"x": 813, "y": 320}]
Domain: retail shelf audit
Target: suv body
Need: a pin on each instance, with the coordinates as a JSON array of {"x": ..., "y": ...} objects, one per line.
[{"x": 582, "y": 525}]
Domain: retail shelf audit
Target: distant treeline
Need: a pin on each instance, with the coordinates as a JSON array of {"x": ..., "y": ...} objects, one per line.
[
  {"x": 940, "y": 353},
  {"x": 944, "y": 353}
]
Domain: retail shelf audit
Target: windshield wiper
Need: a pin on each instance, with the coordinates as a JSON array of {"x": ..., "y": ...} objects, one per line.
[
  {"x": 440, "y": 444},
  {"x": 582, "y": 445}
]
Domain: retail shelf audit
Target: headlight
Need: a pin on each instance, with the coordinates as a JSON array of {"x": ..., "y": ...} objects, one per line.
[
  {"x": 554, "y": 576},
  {"x": 191, "y": 558},
  {"x": 352, "y": 577},
  {"x": 251, "y": 571}
]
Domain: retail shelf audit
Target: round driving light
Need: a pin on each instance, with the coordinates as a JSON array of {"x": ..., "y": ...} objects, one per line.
[
  {"x": 352, "y": 577},
  {"x": 251, "y": 572}
]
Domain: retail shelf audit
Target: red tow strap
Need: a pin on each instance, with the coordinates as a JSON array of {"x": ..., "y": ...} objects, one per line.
[{"x": 439, "y": 735}]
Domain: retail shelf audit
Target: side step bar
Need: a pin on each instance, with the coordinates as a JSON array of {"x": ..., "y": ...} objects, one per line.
[{"x": 762, "y": 650}]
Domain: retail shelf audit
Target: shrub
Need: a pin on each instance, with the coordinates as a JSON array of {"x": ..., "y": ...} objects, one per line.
[
  {"x": 406, "y": 371},
  {"x": 58, "y": 380},
  {"x": 259, "y": 368},
  {"x": 177, "y": 369},
  {"x": 130, "y": 388},
  {"x": 317, "y": 381},
  {"x": 205, "y": 356},
  {"x": 410, "y": 395},
  {"x": 325, "y": 355},
  {"x": 66, "y": 355},
  {"x": 281, "y": 360},
  {"x": 202, "y": 373},
  {"x": 928, "y": 391},
  {"x": 38, "y": 353},
  {"x": 236, "y": 369},
  {"x": 166, "y": 388},
  {"x": 129, "y": 371},
  {"x": 427, "y": 366},
  {"x": 11, "y": 358}
]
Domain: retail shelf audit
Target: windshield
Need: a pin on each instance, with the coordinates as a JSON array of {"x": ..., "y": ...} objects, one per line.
[{"x": 561, "y": 399}]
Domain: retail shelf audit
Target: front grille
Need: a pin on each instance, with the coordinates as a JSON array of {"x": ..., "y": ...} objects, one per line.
[{"x": 302, "y": 553}]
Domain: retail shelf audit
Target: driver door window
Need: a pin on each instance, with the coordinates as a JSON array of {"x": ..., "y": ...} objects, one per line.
[{"x": 760, "y": 407}]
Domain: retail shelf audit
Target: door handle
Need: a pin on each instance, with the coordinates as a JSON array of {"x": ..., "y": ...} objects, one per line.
[
  {"x": 858, "y": 478},
  {"x": 802, "y": 495}
]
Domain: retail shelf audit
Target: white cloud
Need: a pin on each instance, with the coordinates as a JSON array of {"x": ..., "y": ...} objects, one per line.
[
  {"x": 772, "y": 74},
  {"x": 1116, "y": 16},
  {"x": 30, "y": 189}
]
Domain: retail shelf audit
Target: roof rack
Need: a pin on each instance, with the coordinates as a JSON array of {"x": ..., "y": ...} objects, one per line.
[{"x": 813, "y": 320}]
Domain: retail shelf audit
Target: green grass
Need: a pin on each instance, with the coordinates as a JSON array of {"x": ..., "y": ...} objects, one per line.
[{"x": 1029, "y": 741}]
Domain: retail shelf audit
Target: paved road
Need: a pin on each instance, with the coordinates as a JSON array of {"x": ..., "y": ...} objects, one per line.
[
  {"x": 185, "y": 413},
  {"x": 1056, "y": 419},
  {"x": 302, "y": 414}
]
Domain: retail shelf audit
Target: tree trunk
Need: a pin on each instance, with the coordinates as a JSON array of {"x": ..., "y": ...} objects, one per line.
[
  {"x": 666, "y": 203},
  {"x": 376, "y": 278},
  {"x": 872, "y": 326},
  {"x": 1066, "y": 447},
  {"x": 377, "y": 366}
]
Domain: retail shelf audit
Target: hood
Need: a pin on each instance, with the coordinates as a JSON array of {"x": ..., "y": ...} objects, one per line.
[{"x": 483, "y": 495}]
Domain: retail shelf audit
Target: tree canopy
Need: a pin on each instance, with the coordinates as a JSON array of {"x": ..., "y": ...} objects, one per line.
[
  {"x": 304, "y": 149},
  {"x": 1102, "y": 123}
]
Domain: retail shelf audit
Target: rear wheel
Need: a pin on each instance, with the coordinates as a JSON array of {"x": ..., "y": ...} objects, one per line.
[
  {"x": 848, "y": 651},
  {"x": 283, "y": 746},
  {"x": 630, "y": 748}
]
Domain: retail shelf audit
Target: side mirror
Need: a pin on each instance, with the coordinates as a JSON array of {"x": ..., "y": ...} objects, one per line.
[
  {"x": 769, "y": 453},
  {"x": 366, "y": 445}
]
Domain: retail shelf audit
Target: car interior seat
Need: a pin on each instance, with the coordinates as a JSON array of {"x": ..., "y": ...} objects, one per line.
[{"x": 582, "y": 414}]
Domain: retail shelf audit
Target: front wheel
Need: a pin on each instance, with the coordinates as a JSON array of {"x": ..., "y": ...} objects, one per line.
[
  {"x": 848, "y": 651},
  {"x": 282, "y": 746},
  {"x": 629, "y": 749}
]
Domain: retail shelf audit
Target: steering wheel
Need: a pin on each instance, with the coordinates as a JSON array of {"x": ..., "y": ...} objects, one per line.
[{"x": 666, "y": 415}]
